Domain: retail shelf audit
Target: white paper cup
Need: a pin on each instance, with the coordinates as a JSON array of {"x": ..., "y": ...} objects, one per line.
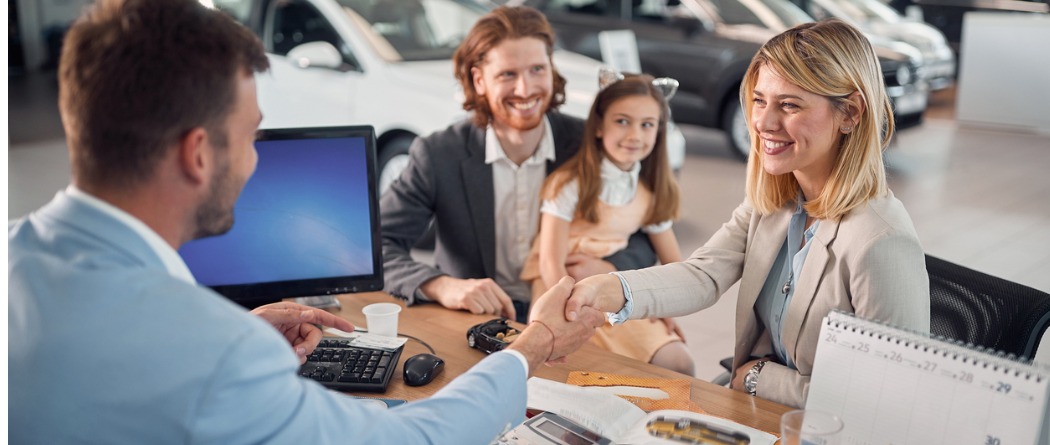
[
  {"x": 808, "y": 427},
  {"x": 382, "y": 318}
]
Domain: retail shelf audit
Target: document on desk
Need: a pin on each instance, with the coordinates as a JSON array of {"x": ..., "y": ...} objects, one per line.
[
  {"x": 366, "y": 340},
  {"x": 624, "y": 423}
]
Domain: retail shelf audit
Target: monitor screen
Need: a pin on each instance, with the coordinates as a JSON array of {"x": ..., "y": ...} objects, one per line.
[{"x": 307, "y": 222}]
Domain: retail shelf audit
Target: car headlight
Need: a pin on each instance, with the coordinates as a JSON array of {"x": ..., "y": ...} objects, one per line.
[{"x": 903, "y": 75}]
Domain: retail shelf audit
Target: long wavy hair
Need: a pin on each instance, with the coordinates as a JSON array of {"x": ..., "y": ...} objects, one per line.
[
  {"x": 832, "y": 59},
  {"x": 586, "y": 165}
]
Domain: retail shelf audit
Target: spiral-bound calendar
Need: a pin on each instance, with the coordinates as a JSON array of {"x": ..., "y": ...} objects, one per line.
[{"x": 892, "y": 386}]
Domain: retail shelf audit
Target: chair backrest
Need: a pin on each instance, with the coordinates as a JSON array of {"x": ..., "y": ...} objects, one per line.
[{"x": 974, "y": 307}]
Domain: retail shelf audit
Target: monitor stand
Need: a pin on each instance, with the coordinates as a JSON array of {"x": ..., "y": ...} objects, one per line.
[{"x": 320, "y": 301}]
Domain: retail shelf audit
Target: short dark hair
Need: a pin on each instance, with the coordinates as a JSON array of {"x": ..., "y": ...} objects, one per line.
[
  {"x": 137, "y": 75},
  {"x": 502, "y": 23}
]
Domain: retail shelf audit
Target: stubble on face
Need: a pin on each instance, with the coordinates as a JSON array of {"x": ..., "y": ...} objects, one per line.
[
  {"x": 517, "y": 81},
  {"x": 235, "y": 160}
]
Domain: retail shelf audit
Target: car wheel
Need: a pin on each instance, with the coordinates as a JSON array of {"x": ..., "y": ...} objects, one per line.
[
  {"x": 735, "y": 126},
  {"x": 392, "y": 161}
]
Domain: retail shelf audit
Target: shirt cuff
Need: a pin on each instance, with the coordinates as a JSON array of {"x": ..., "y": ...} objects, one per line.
[
  {"x": 521, "y": 358},
  {"x": 628, "y": 307}
]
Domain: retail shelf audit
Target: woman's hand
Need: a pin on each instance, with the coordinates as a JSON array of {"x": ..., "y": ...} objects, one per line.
[{"x": 741, "y": 372}]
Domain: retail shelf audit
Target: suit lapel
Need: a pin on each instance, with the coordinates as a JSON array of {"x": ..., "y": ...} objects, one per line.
[
  {"x": 478, "y": 188},
  {"x": 761, "y": 253},
  {"x": 808, "y": 282}
]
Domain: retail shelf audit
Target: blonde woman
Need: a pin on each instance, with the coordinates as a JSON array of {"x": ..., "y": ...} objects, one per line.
[{"x": 818, "y": 230}]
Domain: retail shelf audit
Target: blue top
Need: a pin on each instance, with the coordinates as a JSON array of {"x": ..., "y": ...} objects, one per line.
[
  {"x": 776, "y": 293},
  {"x": 106, "y": 346}
]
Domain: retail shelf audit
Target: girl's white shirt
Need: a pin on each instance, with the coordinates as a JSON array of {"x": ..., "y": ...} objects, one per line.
[{"x": 618, "y": 188}]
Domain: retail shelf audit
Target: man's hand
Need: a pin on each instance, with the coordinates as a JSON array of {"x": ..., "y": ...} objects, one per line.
[
  {"x": 580, "y": 266},
  {"x": 298, "y": 324},
  {"x": 550, "y": 337},
  {"x": 478, "y": 296}
]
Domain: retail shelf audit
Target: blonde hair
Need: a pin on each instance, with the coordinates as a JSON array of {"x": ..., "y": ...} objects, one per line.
[
  {"x": 832, "y": 59},
  {"x": 585, "y": 166}
]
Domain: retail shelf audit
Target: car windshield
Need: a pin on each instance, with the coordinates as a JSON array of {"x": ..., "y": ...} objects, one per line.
[
  {"x": 777, "y": 15},
  {"x": 416, "y": 29}
]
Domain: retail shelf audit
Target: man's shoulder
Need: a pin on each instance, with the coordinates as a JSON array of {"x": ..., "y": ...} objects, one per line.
[
  {"x": 567, "y": 132},
  {"x": 460, "y": 130},
  {"x": 557, "y": 118}
]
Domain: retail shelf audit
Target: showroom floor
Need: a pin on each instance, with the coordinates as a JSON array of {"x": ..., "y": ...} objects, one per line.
[{"x": 978, "y": 196}]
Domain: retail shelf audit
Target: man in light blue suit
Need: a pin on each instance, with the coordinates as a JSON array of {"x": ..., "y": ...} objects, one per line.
[{"x": 111, "y": 339}]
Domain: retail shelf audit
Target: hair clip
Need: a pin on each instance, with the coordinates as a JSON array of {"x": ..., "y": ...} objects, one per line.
[{"x": 609, "y": 76}]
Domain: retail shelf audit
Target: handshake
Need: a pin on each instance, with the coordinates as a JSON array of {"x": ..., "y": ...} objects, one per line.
[{"x": 565, "y": 317}]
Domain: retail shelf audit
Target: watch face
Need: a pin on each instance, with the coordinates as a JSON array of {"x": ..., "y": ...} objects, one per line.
[{"x": 751, "y": 381}]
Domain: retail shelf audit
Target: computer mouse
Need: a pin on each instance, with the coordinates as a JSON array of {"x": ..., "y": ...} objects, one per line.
[{"x": 421, "y": 369}]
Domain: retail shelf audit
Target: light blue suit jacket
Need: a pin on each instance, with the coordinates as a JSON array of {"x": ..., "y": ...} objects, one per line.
[{"x": 106, "y": 347}]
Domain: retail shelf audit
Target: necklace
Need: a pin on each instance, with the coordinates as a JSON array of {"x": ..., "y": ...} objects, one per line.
[{"x": 787, "y": 284}]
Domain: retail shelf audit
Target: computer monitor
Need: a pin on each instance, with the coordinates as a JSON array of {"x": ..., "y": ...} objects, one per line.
[{"x": 306, "y": 224}]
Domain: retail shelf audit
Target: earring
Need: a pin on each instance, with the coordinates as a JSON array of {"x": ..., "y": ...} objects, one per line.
[{"x": 846, "y": 130}]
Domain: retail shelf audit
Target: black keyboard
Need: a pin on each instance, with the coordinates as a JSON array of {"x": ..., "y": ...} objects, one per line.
[{"x": 339, "y": 366}]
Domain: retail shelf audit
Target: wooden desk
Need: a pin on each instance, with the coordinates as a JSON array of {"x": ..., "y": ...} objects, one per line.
[{"x": 446, "y": 332}]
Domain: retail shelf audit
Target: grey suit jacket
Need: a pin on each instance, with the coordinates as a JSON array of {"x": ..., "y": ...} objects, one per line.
[
  {"x": 868, "y": 262},
  {"x": 448, "y": 182}
]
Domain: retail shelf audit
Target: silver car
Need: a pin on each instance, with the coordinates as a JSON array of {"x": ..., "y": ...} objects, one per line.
[{"x": 938, "y": 68}]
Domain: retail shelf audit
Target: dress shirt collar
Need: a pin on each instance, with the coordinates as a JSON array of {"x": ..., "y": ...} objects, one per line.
[
  {"x": 545, "y": 152},
  {"x": 168, "y": 256},
  {"x": 618, "y": 186},
  {"x": 612, "y": 174}
]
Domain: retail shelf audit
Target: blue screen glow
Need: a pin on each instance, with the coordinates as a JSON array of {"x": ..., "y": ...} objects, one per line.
[{"x": 304, "y": 214}]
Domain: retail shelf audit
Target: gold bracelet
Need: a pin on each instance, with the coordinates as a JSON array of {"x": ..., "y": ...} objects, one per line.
[{"x": 552, "y": 337}]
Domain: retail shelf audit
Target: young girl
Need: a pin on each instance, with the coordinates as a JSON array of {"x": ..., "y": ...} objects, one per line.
[{"x": 618, "y": 182}]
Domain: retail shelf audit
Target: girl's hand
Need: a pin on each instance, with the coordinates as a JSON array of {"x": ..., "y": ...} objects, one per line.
[
  {"x": 580, "y": 266},
  {"x": 672, "y": 327}
]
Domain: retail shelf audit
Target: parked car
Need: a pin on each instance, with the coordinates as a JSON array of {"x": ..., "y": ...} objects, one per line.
[
  {"x": 875, "y": 17},
  {"x": 385, "y": 63},
  {"x": 707, "y": 45}
]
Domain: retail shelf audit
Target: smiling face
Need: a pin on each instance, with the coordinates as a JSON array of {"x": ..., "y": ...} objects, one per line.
[
  {"x": 798, "y": 131},
  {"x": 517, "y": 80},
  {"x": 629, "y": 130}
]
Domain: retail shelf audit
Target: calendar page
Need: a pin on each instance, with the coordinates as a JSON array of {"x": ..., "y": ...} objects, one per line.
[{"x": 896, "y": 387}]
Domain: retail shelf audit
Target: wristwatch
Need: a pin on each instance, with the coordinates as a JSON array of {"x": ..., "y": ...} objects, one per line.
[{"x": 751, "y": 379}]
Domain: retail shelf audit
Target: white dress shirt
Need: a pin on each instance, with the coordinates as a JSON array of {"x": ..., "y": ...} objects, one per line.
[{"x": 517, "y": 192}]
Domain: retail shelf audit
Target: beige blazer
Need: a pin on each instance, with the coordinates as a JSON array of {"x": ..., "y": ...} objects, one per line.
[{"x": 869, "y": 262}]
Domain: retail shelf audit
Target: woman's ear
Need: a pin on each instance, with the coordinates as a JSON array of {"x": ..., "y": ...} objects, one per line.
[{"x": 854, "y": 111}]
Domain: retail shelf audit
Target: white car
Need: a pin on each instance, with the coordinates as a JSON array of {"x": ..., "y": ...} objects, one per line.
[
  {"x": 385, "y": 63},
  {"x": 938, "y": 68}
]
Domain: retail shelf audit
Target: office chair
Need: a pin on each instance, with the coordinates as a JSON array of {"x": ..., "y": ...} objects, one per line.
[
  {"x": 990, "y": 312},
  {"x": 973, "y": 307}
]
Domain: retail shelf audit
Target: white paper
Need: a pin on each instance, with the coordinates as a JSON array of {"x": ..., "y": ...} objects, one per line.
[{"x": 365, "y": 340}]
